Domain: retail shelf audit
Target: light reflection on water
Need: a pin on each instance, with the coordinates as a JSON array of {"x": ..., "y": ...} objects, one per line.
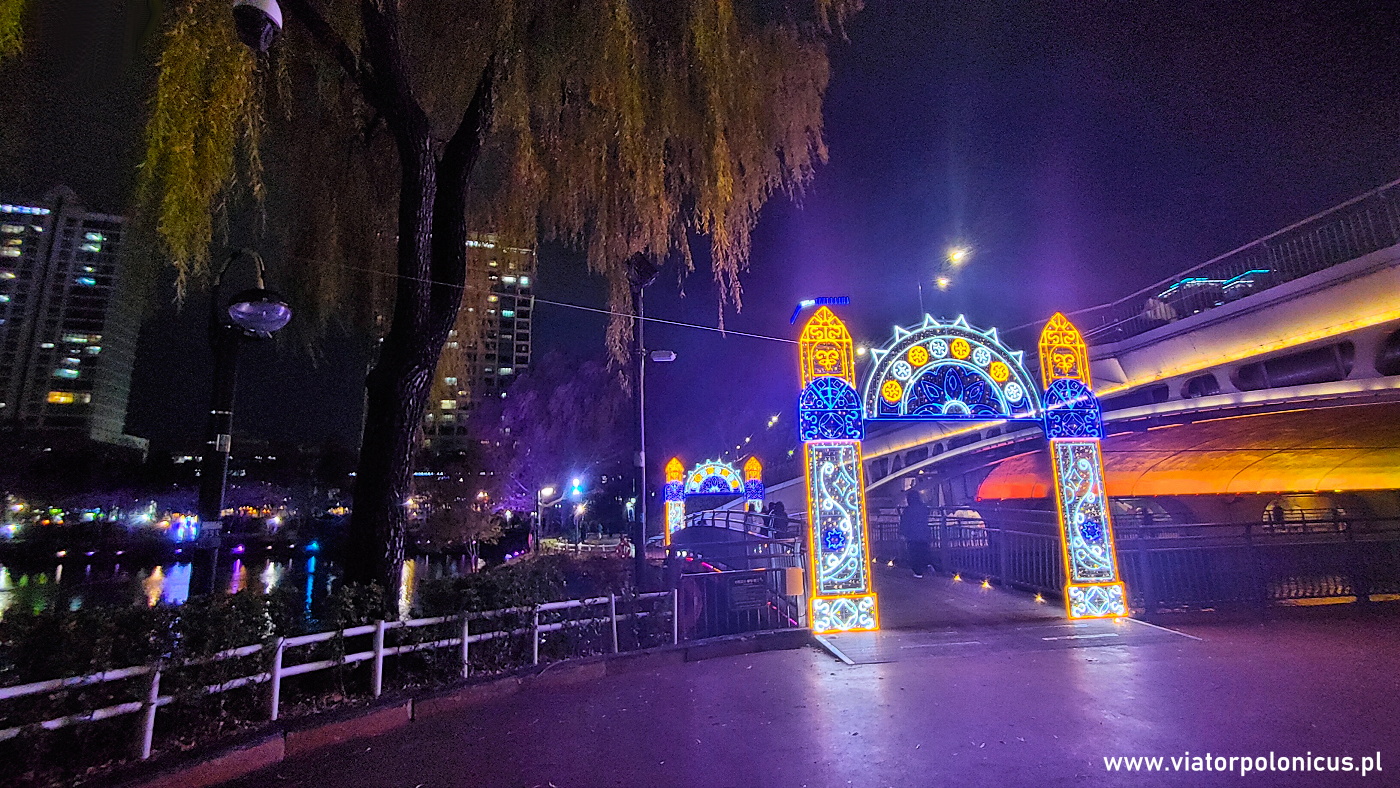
[{"x": 45, "y": 588}]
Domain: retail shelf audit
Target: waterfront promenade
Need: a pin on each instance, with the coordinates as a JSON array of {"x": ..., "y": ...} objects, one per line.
[{"x": 966, "y": 686}]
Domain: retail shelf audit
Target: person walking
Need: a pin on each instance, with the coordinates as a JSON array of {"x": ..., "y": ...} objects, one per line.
[
  {"x": 778, "y": 520},
  {"x": 913, "y": 527}
]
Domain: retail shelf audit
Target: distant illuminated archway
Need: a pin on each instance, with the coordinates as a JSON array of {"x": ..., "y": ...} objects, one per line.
[{"x": 712, "y": 477}]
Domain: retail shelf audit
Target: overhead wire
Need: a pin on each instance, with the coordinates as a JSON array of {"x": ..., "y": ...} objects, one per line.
[{"x": 580, "y": 307}]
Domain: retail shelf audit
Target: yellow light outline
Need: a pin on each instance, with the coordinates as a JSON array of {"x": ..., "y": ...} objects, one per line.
[{"x": 826, "y": 319}]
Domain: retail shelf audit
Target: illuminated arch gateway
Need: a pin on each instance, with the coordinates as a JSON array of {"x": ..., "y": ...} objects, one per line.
[
  {"x": 712, "y": 477},
  {"x": 947, "y": 372}
]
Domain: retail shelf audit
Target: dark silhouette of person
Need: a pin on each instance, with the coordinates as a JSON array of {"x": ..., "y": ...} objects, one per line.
[
  {"x": 778, "y": 520},
  {"x": 913, "y": 526}
]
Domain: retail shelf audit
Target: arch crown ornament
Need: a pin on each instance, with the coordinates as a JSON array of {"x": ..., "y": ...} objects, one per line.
[{"x": 949, "y": 371}]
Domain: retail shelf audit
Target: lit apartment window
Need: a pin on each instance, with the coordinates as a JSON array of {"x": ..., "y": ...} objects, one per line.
[
  {"x": 60, "y": 398},
  {"x": 94, "y": 237},
  {"x": 87, "y": 281},
  {"x": 450, "y": 381},
  {"x": 506, "y": 371},
  {"x": 507, "y": 313},
  {"x": 448, "y": 404},
  {"x": 11, "y": 229},
  {"x": 524, "y": 281},
  {"x": 10, "y": 251},
  {"x": 67, "y": 374}
]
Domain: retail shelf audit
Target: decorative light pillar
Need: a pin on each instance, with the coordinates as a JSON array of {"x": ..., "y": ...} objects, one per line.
[
  {"x": 675, "y": 497},
  {"x": 831, "y": 425},
  {"x": 753, "y": 483},
  {"x": 1074, "y": 425}
]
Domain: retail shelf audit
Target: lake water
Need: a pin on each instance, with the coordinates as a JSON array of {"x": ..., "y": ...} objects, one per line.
[{"x": 73, "y": 585}]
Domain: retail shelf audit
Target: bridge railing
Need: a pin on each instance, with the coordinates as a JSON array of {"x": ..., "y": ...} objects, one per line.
[
  {"x": 1359, "y": 226},
  {"x": 1178, "y": 565}
]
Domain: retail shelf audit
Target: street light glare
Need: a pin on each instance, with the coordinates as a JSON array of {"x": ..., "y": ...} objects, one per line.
[
  {"x": 548, "y": 491},
  {"x": 943, "y": 282},
  {"x": 958, "y": 254}
]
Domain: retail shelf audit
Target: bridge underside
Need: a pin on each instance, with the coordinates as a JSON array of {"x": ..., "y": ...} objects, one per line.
[{"x": 1314, "y": 450}]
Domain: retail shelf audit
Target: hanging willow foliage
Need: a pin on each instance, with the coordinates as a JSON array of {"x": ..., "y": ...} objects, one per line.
[
  {"x": 11, "y": 27},
  {"x": 620, "y": 126},
  {"x": 207, "y": 109}
]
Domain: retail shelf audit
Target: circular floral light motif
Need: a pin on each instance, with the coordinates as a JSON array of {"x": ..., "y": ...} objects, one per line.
[
  {"x": 1014, "y": 392},
  {"x": 938, "y": 348},
  {"x": 892, "y": 391},
  {"x": 982, "y": 357},
  {"x": 960, "y": 348},
  {"x": 918, "y": 356},
  {"x": 901, "y": 370},
  {"x": 999, "y": 371}
]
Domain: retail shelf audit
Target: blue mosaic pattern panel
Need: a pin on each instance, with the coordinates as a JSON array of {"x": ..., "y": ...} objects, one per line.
[
  {"x": 829, "y": 409},
  {"x": 1072, "y": 411}
]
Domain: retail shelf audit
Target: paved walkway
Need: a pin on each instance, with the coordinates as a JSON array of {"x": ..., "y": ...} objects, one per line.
[{"x": 967, "y": 687}]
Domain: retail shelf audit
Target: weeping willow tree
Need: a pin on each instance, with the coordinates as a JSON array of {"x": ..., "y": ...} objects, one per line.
[
  {"x": 376, "y": 134},
  {"x": 11, "y": 27}
]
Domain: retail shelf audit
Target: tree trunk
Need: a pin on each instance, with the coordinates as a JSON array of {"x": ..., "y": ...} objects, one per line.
[
  {"x": 431, "y": 254},
  {"x": 397, "y": 389}
]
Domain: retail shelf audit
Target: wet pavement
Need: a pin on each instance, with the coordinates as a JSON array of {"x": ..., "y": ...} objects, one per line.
[{"x": 966, "y": 686}]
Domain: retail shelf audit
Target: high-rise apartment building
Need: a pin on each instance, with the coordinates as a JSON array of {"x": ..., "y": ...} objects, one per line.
[
  {"x": 490, "y": 346},
  {"x": 67, "y": 326}
]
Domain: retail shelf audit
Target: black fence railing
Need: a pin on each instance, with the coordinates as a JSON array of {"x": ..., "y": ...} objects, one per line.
[
  {"x": 733, "y": 602},
  {"x": 1174, "y": 565}
]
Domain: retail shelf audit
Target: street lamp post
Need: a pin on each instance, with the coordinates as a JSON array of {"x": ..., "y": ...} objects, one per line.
[
  {"x": 252, "y": 314},
  {"x": 641, "y": 271}
]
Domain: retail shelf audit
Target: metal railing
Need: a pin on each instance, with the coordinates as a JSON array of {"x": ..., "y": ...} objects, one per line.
[
  {"x": 731, "y": 602},
  {"x": 747, "y": 554},
  {"x": 461, "y": 637},
  {"x": 1359, "y": 226},
  {"x": 751, "y": 523},
  {"x": 1177, "y": 565}
]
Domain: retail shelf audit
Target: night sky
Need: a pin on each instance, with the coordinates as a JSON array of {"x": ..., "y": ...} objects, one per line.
[{"x": 1082, "y": 153}]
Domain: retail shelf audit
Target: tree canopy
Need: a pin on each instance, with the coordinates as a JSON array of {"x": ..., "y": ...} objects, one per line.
[{"x": 618, "y": 126}]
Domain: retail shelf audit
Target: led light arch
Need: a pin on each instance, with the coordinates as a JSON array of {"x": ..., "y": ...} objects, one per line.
[
  {"x": 711, "y": 477},
  {"x": 949, "y": 371}
]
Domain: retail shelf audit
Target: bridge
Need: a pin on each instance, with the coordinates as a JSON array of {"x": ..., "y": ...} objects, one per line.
[{"x": 1255, "y": 396}]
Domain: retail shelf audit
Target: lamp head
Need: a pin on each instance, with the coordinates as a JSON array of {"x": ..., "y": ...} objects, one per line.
[{"x": 259, "y": 312}]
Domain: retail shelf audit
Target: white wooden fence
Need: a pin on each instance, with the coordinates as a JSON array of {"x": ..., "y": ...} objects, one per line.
[{"x": 279, "y": 670}]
